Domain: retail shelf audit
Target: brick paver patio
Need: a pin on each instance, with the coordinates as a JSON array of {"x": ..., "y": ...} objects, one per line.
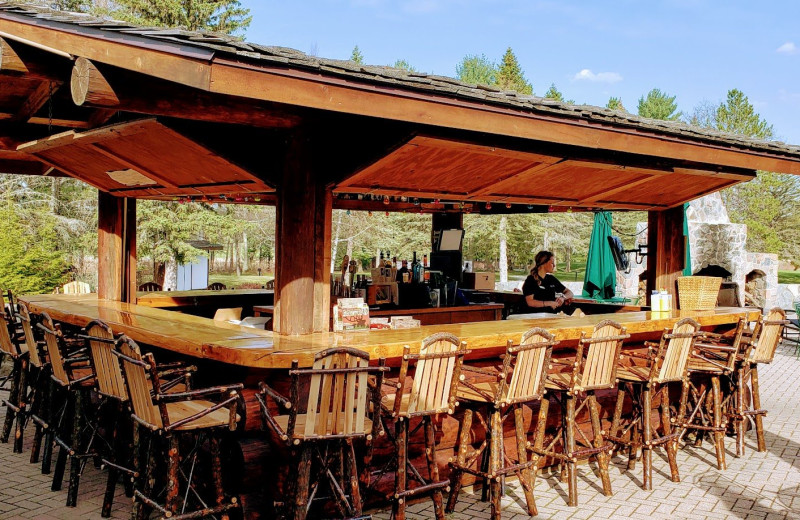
[{"x": 758, "y": 486}]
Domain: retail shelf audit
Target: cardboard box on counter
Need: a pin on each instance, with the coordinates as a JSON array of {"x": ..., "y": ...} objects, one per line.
[{"x": 483, "y": 281}]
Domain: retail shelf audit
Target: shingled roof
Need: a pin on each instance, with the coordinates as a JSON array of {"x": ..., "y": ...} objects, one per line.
[{"x": 225, "y": 45}]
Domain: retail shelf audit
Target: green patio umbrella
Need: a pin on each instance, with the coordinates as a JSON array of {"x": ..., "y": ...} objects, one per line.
[{"x": 601, "y": 272}]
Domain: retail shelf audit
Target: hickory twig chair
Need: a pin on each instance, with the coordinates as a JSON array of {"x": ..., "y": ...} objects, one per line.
[
  {"x": 73, "y": 376},
  {"x": 150, "y": 287},
  {"x": 167, "y": 417},
  {"x": 321, "y": 430},
  {"x": 503, "y": 392},
  {"x": 39, "y": 379},
  {"x": 437, "y": 373},
  {"x": 766, "y": 336},
  {"x": 16, "y": 402},
  {"x": 665, "y": 363},
  {"x": 593, "y": 368}
]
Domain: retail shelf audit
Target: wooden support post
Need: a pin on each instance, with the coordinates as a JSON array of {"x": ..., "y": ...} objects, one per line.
[
  {"x": 116, "y": 248},
  {"x": 303, "y": 245},
  {"x": 666, "y": 250}
]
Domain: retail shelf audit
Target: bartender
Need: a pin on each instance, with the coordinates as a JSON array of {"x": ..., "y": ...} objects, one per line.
[{"x": 544, "y": 292}]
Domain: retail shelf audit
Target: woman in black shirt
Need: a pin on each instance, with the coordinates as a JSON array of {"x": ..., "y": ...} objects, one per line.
[{"x": 543, "y": 292}]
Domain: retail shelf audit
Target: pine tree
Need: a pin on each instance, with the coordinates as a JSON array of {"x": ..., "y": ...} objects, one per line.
[
  {"x": 356, "y": 56},
  {"x": 615, "y": 103},
  {"x": 510, "y": 75},
  {"x": 403, "y": 64},
  {"x": 738, "y": 116},
  {"x": 224, "y": 16},
  {"x": 659, "y": 105},
  {"x": 553, "y": 93}
]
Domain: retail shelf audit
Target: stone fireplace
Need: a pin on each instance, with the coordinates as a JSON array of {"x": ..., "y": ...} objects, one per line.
[{"x": 718, "y": 249}]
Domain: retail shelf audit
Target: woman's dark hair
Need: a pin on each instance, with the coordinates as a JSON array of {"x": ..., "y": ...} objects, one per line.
[{"x": 542, "y": 257}]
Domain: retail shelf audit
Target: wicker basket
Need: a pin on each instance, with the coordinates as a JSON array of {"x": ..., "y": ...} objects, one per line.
[{"x": 698, "y": 293}]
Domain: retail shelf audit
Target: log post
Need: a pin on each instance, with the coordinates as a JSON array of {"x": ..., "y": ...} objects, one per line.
[
  {"x": 303, "y": 245},
  {"x": 666, "y": 250},
  {"x": 116, "y": 248},
  {"x": 105, "y": 87}
]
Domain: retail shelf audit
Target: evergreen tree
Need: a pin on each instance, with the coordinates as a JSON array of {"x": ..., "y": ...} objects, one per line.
[
  {"x": 738, "y": 116},
  {"x": 403, "y": 64},
  {"x": 356, "y": 56},
  {"x": 224, "y": 16},
  {"x": 615, "y": 103},
  {"x": 659, "y": 105},
  {"x": 554, "y": 93},
  {"x": 477, "y": 70},
  {"x": 510, "y": 75}
]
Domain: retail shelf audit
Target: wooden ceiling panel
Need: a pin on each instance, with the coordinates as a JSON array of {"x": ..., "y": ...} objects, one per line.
[
  {"x": 437, "y": 167},
  {"x": 144, "y": 159},
  {"x": 673, "y": 190},
  {"x": 433, "y": 167}
]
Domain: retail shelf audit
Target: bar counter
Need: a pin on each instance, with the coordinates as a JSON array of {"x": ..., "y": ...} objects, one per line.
[{"x": 237, "y": 345}]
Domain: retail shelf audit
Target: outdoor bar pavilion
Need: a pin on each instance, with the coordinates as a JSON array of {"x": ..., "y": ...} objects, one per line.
[{"x": 166, "y": 114}]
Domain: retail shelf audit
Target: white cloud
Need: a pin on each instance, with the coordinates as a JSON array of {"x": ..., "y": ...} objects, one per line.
[
  {"x": 788, "y": 48},
  {"x": 600, "y": 77}
]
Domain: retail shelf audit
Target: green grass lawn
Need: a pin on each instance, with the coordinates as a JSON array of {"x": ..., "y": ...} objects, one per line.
[
  {"x": 788, "y": 276},
  {"x": 232, "y": 281}
]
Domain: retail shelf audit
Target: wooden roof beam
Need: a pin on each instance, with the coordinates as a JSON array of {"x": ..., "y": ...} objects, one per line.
[
  {"x": 31, "y": 62},
  {"x": 105, "y": 87}
]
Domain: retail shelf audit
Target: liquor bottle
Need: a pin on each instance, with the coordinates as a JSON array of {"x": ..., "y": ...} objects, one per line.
[
  {"x": 424, "y": 260},
  {"x": 417, "y": 270}
]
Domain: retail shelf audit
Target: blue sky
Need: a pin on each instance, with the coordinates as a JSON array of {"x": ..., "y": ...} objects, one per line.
[{"x": 694, "y": 49}]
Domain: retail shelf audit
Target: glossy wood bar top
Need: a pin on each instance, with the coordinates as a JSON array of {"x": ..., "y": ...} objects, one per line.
[{"x": 227, "y": 343}]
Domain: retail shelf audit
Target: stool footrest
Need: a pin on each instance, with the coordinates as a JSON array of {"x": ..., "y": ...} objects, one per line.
[{"x": 433, "y": 486}]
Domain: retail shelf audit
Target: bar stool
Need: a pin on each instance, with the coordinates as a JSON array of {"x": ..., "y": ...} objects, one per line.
[
  {"x": 322, "y": 438},
  {"x": 665, "y": 362},
  {"x": 169, "y": 418},
  {"x": 39, "y": 380},
  {"x": 74, "y": 377},
  {"x": 747, "y": 349},
  {"x": 437, "y": 373},
  {"x": 767, "y": 336},
  {"x": 520, "y": 380},
  {"x": 593, "y": 368},
  {"x": 10, "y": 346}
]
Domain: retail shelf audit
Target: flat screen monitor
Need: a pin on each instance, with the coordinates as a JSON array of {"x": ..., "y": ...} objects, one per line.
[
  {"x": 450, "y": 239},
  {"x": 618, "y": 252}
]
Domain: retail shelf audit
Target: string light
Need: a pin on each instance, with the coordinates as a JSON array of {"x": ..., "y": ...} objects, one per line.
[
  {"x": 488, "y": 205},
  {"x": 386, "y": 199},
  {"x": 508, "y": 205},
  {"x": 416, "y": 201}
]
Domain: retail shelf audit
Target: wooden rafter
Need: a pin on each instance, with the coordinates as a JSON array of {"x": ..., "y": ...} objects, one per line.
[{"x": 132, "y": 164}]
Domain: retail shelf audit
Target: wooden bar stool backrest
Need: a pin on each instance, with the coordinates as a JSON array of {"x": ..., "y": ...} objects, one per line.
[
  {"x": 768, "y": 335},
  {"x": 598, "y": 369},
  {"x": 139, "y": 371},
  {"x": 106, "y": 365},
  {"x": 150, "y": 287},
  {"x": 436, "y": 375},
  {"x": 530, "y": 361},
  {"x": 7, "y": 345},
  {"x": 30, "y": 340},
  {"x": 672, "y": 358},
  {"x": 76, "y": 287},
  {"x": 337, "y": 396},
  {"x": 52, "y": 341}
]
